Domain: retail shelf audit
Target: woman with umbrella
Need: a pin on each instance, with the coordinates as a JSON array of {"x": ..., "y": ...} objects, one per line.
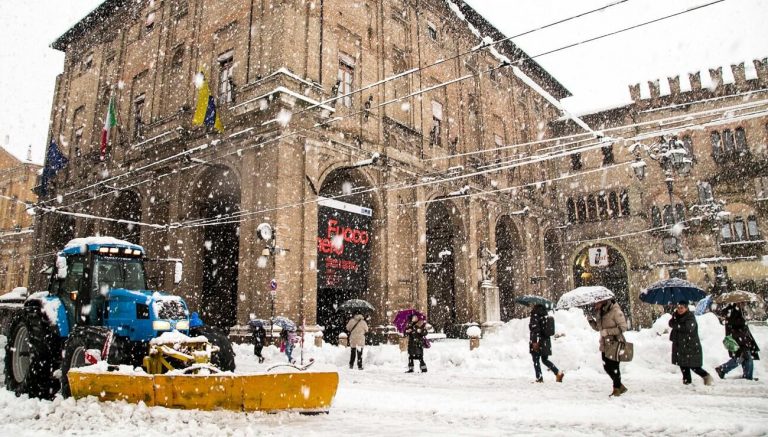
[
  {"x": 357, "y": 328},
  {"x": 686, "y": 347},
  {"x": 540, "y": 345},
  {"x": 611, "y": 324},
  {"x": 259, "y": 337},
  {"x": 747, "y": 351},
  {"x": 417, "y": 334}
]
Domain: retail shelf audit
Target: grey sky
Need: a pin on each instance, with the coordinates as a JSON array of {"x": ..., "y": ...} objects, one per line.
[{"x": 596, "y": 73}]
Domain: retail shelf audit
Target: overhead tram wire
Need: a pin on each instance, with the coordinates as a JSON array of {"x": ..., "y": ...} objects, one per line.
[
  {"x": 239, "y": 219},
  {"x": 397, "y": 76},
  {"x": 239, "y": 151}
]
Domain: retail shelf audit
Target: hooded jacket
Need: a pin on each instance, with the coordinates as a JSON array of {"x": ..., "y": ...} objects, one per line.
[
  {"x": 537, "y": 326},
  {"x": 611, "y": 324}
]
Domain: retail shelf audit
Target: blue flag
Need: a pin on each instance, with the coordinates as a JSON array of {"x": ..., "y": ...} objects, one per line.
[{"x": 54, "y": 161}]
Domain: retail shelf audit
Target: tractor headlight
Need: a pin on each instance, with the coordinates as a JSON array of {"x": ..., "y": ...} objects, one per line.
[
  {"x": 182, "y": 325},
  {"x": 161, "y": 325}
]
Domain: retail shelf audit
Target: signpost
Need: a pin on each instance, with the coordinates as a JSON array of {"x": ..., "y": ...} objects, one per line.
[{"x": 273, "y": 294}]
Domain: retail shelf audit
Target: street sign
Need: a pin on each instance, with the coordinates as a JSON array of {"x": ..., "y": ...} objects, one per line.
[{"x": 273, "y": 285}]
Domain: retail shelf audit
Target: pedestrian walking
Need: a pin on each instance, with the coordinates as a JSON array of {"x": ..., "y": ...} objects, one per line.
[
  {"x": 609, "y": 320},
  {"x": 417, "y": 335},
  {"x": 747, "y": 351},
  {"x": 540, "y": 345},
  {"x": 259, "y": 338},
  {"x": 686, "y": 346},
  {"x": 288, "y": 338},
  {"x": 357, "y": 328}
]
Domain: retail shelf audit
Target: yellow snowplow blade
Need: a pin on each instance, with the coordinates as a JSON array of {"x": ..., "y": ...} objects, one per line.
[{"x": 310, "y": 392}]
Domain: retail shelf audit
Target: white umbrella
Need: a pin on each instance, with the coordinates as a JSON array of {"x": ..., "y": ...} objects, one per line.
[{"x": 583, "y": 296}]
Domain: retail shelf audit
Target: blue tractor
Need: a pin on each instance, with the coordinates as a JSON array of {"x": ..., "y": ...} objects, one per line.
[{"x": 97, "y": 301}]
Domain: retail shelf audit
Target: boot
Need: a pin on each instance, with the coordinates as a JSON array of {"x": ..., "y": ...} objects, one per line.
[
  {"x": 622, "y": 389},
  {"x": 540, "y": 379},
  {"x": 720, "y": 372},
  {"x": 708, "y": 380},
  {"x": 559, "y": 377},
  {"x": 616, "y": 392}
]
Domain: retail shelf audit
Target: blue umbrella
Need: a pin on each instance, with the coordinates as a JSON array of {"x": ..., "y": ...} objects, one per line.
[
  {"x": 671, "y": 291},
  {"x": 284, "y": 323},
  {"x": 704, "y": 306}
]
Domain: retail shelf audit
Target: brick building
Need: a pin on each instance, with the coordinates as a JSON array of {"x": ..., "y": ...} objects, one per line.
[
  {"x": 719, "y": 117},
  {"x": 17, "y": 178},
  {"x": 269, "y": 64}
]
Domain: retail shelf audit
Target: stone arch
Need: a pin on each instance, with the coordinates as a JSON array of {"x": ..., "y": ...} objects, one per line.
[
  {"x": 215, "y": 247},
  {"x": 614, "y": 275},
  {"x": 349, "y": 249},
  {"x": 510, "y": 268}
]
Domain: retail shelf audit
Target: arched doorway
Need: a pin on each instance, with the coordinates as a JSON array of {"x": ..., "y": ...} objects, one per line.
[
  {"x": 127, "y": 206},
  {"x": 604, "y": 265},
  {"x": 345, "y": 246},
  {"x": 218, "y": 196},
  {"x": 509, "y": 269},
  {"x": 440, "y": 267}
]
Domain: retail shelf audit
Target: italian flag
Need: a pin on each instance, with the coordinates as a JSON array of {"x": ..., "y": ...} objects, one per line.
[{"x": 110, "y": 121}]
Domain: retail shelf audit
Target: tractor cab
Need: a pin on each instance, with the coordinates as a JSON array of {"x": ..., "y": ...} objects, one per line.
[{"x": 101, "y": 281}]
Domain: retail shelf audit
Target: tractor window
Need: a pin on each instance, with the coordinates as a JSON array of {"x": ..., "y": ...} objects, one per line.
[
  {"x": 111, "y": 272},
  {"x": 75, "y": 271}
]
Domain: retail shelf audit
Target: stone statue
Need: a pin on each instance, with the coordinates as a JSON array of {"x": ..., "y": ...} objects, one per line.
[{"x": 487, "y": 259}]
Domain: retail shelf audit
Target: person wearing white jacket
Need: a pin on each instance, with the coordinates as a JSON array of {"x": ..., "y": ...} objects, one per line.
[{"x": 357, "y": 328}]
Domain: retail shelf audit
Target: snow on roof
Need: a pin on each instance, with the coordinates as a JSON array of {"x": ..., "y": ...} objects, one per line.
[
  {"x": 750, "y": 72},
  {"x": 728, "y": 75},
  {"x": 706, "y": 79},
  {"x": 645, "y": 90},
  {"x": 90, "y": 243},
  {"x": 685, "y": 83},
  {"x": 664, "y": 88}
]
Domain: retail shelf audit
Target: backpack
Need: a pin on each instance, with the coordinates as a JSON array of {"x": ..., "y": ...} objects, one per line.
[{"x": 549, "y": 326}]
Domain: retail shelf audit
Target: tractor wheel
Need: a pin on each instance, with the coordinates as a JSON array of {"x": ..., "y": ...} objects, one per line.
[
  {"x": 224, "y": 359},
  {"x": 79, "y": 341},
  {"x": 32, "y": 354}
]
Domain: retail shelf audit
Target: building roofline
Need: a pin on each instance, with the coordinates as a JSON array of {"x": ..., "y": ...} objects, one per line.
[
  {"x": 515, "y": 53},
  {"x": 104, "y": 10}
]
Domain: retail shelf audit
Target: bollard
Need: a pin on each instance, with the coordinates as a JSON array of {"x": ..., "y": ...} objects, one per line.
[
  {"x": 343, "y": 340},
  {"x": 474, "y": 333},
  {"x": 319, "y": 339},
  {"x": 393, "y": 338},
  {"x": 403, "y": 344}
]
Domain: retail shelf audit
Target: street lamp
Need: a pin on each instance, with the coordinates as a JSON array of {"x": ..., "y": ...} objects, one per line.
[
  {"x": 672, "y": 157},
  {"x": 266, "y": 233}
]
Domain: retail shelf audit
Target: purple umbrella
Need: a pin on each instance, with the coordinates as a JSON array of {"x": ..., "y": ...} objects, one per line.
[{"x": 403, "y": 317}]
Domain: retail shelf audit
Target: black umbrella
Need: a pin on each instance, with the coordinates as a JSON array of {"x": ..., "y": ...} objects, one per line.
[
  {"x": 534, "y": 300},
  {"x": 356, "y": 306},
  {"x": 672, "y": 291}
]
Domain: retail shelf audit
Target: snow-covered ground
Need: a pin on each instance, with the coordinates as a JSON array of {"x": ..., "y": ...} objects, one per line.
[{"x": 488, "y": 391}]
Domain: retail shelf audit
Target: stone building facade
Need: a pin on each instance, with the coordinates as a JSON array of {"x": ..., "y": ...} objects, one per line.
[
  {"x": 17, "y": 178},
  {"x": 400, "y": 152},
  {"x": 719, "y": 117}
]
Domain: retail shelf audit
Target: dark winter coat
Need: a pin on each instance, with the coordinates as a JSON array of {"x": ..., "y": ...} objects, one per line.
[
  {"x": 537, "y": 326},
  {"x": 416, "y": 334},
  {"x": 736, "y": 327},
  {"x": 686, "y": 347},
  {"x": 260, "y": 336}
]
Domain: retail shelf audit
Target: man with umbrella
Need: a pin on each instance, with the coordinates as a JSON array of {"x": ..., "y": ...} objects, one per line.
[
  {"x": 259, "y": 337},
  {"x": 747, "y": 350}
]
